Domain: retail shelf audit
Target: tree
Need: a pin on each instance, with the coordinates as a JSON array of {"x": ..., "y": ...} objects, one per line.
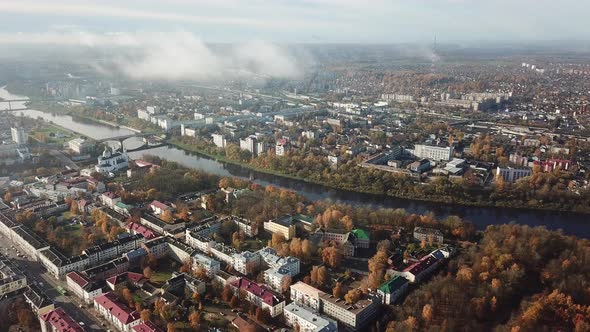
[
  {"x": 295, "y": 247},
  {"x": 313, "y": 275},
  {"x": 127, "y": 295},
  {"x": 427, "y": 312},
  {"x": 306, "y": 250},
  {"x": 8, "y": 197},
  {"x": 277, "y": 240},
  {"x": 353, "y": 296},
  {"x": 74, "y": 208},
  {"x": 337, "y": 291},
  {"x": 377, "y": 266},
  {"x": 322, "y": 277},
  {"x": 331, "y": 256},
  {"x": 167, "y": 216},
  {"x": 347, "y": 223},
  {"x": 235, "y": 240},
  {"x": 186, "y": 267},
  {"x": 145, "y": 315},
  {"x": 286, "y": 283},
  {"x": 201, "y": 273},
  {"x": 147, "y": 272},
  {"x": 170, "y": 327},
  {"x": 25, "y": 317},
  {"x": 194, "y": 319}
]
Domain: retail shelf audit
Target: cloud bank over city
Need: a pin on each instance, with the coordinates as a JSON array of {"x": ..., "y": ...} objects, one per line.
[{"x": 177, "y": 55}]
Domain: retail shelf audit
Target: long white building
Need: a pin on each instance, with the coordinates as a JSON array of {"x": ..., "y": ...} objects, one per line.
[{"x": 433, "y": 152}]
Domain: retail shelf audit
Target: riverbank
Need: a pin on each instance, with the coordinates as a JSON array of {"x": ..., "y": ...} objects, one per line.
[
  {"x": 61, "y": 110},
  {"x": 429, "y": 199}
]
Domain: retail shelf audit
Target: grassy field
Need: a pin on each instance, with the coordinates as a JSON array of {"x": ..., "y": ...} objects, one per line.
[
  {"x": 160, "y": 277},
  {"x": 53, "y": 134}
]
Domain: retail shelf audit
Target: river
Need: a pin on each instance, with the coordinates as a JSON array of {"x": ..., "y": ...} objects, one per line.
[
  {"x": 89, "y": 128},
  {"x": 570, "y": 223}
]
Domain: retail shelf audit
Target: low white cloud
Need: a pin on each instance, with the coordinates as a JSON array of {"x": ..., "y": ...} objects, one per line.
[{"x": 176, "y": 55}]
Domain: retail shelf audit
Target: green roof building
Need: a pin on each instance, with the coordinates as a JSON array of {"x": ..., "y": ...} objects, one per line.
[
  {"x": 362, "y": 238},
  {"x": 393, "y": 289}
]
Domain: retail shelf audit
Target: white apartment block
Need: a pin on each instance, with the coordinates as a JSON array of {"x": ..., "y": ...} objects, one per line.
[
  {"x": 83, "y": 287},
  {"x": 219, "y": 140},
  {"x": 306, "y": 295},
  {"x": 11, "y": 278},
  {"x": 354, "y": 315},
  {"x": 58, "y": 265},
  {"x": 246, "y": 262},
  {"x": 433, "y": 152},
  {"x": 290, "y": 264},
  {"x": 18, "y": 135},
  {"x": 307, "y": 320},
  {"x": 209, "y": 264},
  {"x": 144, "y": 115},
  {"x": 284, "y": 225},
  {"x": 511, "y": 175}
]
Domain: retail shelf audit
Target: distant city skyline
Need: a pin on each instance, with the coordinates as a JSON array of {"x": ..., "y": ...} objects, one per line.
[{"x": 304, "y": 21}]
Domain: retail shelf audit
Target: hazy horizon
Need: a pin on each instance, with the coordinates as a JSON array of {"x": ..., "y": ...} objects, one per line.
[{"x": 306, "y": 21}]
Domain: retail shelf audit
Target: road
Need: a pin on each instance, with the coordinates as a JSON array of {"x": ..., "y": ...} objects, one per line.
[
  {"x": 64, "y": 159},
  {"x": 37, "y": 274}
]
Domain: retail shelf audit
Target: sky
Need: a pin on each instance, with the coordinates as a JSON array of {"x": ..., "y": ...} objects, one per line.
[
  {"x": 174, "y": 39},
  {"x": 304, "y": 21}
]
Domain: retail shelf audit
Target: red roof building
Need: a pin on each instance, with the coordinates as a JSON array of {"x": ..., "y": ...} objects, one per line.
[
  {"x": 159, "y": 207},
  {"x": 125, "y": 278},
  {"x": 58, "y": 320},
  {"x": 260, "y": 296},
  {"x": 147, "y": 326},
  {"x": 136, "y": 228},
  {"x": 120, "y": 315}
]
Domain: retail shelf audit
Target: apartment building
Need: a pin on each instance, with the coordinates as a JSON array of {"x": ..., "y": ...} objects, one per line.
[
  {"x": 58, "y": 320},
  {"x": 11, "y": 277},
  {"x": 118, "y": 314},
  {"x": 355, "y": 315},
  {"x": 306, "y": 295},
  {"x": 83, "y": 287},
  {"x": 308, "y": 321},
  {"x": 284, "y": 225},
  {"x": 260, "y": 296}
]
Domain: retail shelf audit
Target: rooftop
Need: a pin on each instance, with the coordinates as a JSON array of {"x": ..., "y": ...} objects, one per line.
[
  {"x": 360, "y": 234},
  {"x": 286, "y": 220},
  {"x": 266, "y": 295},
  {"x": 36, "y": 296},
  {"x": 147, "y": 326},
  {"x": 61, "y": 321},
  {"x": 121, "y": 312},
  {"x": 356, "y": 308},
  {"x": 393, "y": 284},
  {"x": 307, "y": 289},
  {"x": 320, "y": 323}
]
